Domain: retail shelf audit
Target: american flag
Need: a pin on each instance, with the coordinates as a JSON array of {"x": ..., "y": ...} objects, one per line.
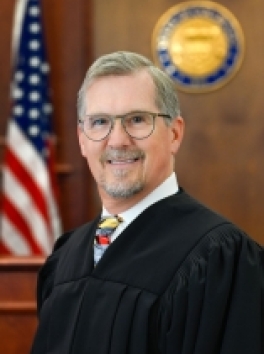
[{"x": 30, "y": 220}]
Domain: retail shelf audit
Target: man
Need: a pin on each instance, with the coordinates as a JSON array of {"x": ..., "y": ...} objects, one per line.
[{"x": 177, "y": 278}]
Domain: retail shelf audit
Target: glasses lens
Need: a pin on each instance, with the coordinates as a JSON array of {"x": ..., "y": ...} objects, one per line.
[
  {"x": 139, "y": 125},
  {"x": 97, "y": 127}
]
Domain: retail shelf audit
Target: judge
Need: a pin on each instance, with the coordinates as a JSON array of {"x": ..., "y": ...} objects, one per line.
[{"x": 157, "y": 272}]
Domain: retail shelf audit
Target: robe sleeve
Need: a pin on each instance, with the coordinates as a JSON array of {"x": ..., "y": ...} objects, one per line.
[{"x": 215, "y": 303}]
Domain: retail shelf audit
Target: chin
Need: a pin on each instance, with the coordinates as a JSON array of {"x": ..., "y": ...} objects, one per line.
[{"x": 122, "y": 190}]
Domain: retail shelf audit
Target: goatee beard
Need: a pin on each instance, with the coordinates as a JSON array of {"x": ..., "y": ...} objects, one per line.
[{"x": 122, "y": 188}]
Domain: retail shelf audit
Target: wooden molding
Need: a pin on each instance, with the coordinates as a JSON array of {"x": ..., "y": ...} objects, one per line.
[
  {"x": 18, "y": 307},
  {"x": 11, "y": 263},
  {"x": 18, "y": 274}
]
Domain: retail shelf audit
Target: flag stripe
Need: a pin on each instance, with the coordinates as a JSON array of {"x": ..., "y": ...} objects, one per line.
[
  {"x": 4, "y": 249},
  {"x": 24, "y": 203},
  {"x": 25, "y": 179},
  {"x": 15, "y": 217},
  {"x": 29, "y": 157},
  {"x": 12, "y": 241},
  {"x": 46, "y": 180}
]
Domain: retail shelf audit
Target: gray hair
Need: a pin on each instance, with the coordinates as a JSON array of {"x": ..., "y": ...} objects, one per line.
[{"x": 127, "y": 63}]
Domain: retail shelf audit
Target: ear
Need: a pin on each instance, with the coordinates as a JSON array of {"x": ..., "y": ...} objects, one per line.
[
  {"x": 177, "y": 129},
  {"x": 81, "y": 140}
]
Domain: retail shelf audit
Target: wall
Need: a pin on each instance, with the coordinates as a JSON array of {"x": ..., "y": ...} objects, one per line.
[{"x": 221, "y": 159}]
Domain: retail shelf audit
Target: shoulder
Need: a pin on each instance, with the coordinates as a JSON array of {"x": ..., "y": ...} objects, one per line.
[
  {"x": 223, "y": 254},
  {"x": 67, "y": 240},
  {"x": 220, "y": 246},
  {"x": 187, "y": 206},
  {"x": 220, "y": 285},
  {"x": 68, "y": 236},
  {"x": 47, "y": 273}
]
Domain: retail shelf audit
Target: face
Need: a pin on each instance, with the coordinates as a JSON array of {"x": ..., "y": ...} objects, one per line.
[{"x": 126, "y": 169}]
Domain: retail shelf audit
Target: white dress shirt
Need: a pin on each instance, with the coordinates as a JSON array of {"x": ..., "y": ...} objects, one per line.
[{"x": 165, "y": 189}]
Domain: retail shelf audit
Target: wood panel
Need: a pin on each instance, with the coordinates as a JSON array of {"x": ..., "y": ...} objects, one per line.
[
  {"x": 221, "y": 159},
  {"x": 18, "y": 303},
  {"x": 69, "y": 37}
]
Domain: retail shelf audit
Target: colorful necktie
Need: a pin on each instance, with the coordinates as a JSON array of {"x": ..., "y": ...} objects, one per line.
[{"x": 106, "y": 227}]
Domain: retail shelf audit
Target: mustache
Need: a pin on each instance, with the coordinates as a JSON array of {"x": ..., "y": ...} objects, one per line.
[{"x": 122, "y": 154}]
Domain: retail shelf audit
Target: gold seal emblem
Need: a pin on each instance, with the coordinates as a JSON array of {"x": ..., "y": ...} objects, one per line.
[{"x": 200, "y": 44}]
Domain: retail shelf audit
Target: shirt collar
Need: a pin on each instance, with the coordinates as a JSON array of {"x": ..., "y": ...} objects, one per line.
[{"x": 165, "y": 189}]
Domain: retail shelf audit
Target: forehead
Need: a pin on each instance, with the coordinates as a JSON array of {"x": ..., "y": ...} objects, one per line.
[{"x": 121, "y": 93}]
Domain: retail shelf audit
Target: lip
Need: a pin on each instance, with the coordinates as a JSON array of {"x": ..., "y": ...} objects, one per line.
[
  {"x": 122, "y": 162},
  {"x": 122, "y": 158}
]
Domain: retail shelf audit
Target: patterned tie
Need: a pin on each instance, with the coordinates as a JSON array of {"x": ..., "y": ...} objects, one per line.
[{"x": 106, "y": 227}]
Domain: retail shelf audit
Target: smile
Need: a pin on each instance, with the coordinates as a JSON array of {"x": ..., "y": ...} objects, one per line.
[
  {"x": 122, "y": 157},
  {"x": 122, "y": 162}
]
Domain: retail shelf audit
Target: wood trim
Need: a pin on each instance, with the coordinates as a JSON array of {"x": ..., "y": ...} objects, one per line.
[
  {"x": 19, "y": 266},
  {"x": 18, "y": 307},
  {"x": 21, "y": 263}
]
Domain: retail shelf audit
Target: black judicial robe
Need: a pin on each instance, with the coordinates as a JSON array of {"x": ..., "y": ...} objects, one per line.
[{"x": 179, "y": 280}]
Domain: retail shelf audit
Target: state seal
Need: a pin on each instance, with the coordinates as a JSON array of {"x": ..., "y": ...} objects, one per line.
[{"x": 199, "y": 44}]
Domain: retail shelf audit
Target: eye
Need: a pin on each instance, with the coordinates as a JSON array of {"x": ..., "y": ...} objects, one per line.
[
  {"x": 98, "y": 122},
  {"x": 137, "y": 118}
]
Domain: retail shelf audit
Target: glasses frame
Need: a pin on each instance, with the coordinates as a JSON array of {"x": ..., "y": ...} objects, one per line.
[{"x": 113, "y": 118}]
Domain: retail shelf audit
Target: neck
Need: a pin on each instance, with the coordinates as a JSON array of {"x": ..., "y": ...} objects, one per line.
[{"x": 120, "y": 205}]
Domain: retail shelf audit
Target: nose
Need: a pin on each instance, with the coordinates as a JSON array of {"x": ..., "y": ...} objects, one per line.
[{"x": 118, "y": 136}]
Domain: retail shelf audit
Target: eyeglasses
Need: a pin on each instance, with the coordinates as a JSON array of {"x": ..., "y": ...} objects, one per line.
[{"x": 138, "y": 125}]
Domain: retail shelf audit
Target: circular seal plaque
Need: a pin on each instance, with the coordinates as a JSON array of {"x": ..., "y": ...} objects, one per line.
[{"x": 199, "y": 44}]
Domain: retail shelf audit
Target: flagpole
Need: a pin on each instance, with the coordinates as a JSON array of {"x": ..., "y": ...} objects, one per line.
[{"x": 19, "y": 12}]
